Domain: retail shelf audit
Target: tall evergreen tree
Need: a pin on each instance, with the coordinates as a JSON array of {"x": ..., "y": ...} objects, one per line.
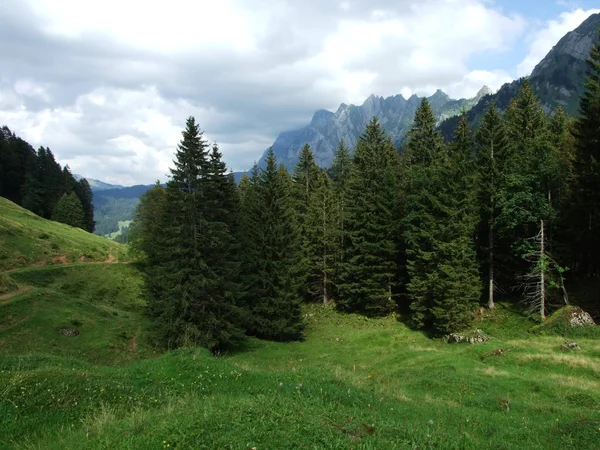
[
  {"x": 424, "y": 159},
  {"x": 186, "y": 291},
  {"x": 530, "y": 172},
  {"x": 144, "y": 229},
  {"x": 305, "y": 179},
  {"x": 491, "y": 149},
  {"x": 340, "y": 172},
  {"x": 270, "y": 262},
  {"x": 69, "y": 210},
  {"x": 458, "y": 283},
  {"x": 319, "y": 242},
  {"x": 84, "y": 192},
  {"x": 368, "y": 272}
]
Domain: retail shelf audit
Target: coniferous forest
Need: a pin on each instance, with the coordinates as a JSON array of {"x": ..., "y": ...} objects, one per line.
[
  {"x": 37, "y": 182},
  {"x": 434, "y": 230}
]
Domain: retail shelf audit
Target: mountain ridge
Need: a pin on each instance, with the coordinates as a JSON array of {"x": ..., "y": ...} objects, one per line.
[{"x": 326, "y": 128}]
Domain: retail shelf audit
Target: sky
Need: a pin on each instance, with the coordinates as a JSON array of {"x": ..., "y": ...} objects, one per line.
[{"x": 108, "y": 85}]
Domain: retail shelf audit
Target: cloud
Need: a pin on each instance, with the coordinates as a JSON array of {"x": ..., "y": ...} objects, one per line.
[
  {"x": 108, "y": 85},
  {"x": 542, "y": 40}
]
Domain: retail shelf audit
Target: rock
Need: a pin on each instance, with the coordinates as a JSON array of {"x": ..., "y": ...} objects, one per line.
[
  {"x": 578, "y": 318},
  {"x": 68, "y": 331},
  {"x": 473, "y": 337},
  {"x": 570, "y": 345}
]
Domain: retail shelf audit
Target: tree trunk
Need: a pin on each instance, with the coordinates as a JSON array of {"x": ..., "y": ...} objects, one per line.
[
  {"x": 491, "y": 304},
  {"x": 542, "y": 275}
]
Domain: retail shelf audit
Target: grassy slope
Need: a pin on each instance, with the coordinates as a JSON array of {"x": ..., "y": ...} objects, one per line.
[
  {"x": 27, "y": 239},
  {"x": 354, "y": 382}
]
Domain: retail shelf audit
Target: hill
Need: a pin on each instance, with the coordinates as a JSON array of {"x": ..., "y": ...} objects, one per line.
[
  {"x": 27, "y": 239},
  {"x": 98, "y": 185}
]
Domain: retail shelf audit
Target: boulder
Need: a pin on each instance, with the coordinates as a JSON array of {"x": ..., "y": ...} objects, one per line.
[
  {"x": 578, "y": 317},
  {"x": 472, "y": 337}
]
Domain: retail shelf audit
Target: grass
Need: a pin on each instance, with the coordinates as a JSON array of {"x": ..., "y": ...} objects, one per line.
[
  {"x": 354, "y": 383},
  {"x": 101, "y": 301},
  {"x": 27, "y": 239}
]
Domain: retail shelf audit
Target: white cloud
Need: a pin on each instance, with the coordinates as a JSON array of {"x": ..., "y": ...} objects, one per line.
[
  {"x": 541, "y": 41},
  {"x": 108, "y": 85}
]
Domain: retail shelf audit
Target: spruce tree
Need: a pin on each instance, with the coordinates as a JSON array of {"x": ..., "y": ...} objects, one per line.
[
  {"x": 530, "y": 171},
  {"x": 305, "y": 179},
  {"x": 340, "y": 172},
  {"x": 188, "y": 298},
  {"x": 491, "y": 148},
  {"x": 143, "y": 230},
  {"x": 458, "y": 288},
  {"x": 69, "y": 210},
  {"x": 367, "y": 275},
  {"x": 84, "y": 192},
  {"x": 423, "y": 161},
  {"x": 270, "y": 262},
  {"x": 319, "y": 243}
]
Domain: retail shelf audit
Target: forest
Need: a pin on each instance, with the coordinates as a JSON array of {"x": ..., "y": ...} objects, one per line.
[
  {"x": 433, "y": 231},
  {"x": 35, "y": 181}
]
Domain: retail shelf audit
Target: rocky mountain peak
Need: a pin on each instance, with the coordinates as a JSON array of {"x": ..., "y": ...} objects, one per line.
[{"x": 483, "y": 92}]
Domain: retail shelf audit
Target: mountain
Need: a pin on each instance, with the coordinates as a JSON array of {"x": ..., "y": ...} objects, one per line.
[
  {"x": 326, "y": 128},
  {"x": 558, "y": 79},
  {"x": 98, "y": 185}
]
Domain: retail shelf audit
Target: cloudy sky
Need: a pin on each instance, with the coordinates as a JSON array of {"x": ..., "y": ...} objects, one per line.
[{"x": 107, "y": 85}]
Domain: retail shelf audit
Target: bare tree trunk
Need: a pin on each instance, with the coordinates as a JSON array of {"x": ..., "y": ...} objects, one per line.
[
  {"x": 542, "y": 274},
  {"x": 325, "y": 296},
  {"x": 491, "y": 304}
]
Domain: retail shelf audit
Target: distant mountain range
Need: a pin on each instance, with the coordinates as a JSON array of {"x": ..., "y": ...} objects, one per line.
[
  {"x": 558, "y": 80},
  {"x": 395, "y": 113}
]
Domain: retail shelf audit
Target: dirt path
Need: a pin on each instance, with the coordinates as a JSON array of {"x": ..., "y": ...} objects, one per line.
[
  {"x": 5, "y": 298},
  {"x": 59, "y": 266}
]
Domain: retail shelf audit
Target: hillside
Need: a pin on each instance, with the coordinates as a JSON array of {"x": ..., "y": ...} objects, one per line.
[
  {"x": 27, "y": 239},
  {"x": 558, "y": 80}
]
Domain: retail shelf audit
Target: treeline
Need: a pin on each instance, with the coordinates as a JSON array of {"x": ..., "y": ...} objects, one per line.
[
  {"x": 35, "y": 181},
  {"x": 432, "y": 231}
]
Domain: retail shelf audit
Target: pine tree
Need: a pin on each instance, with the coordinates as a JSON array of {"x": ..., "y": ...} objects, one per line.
[
  {"x": 84, "y": 192},
  {"x": 143, "y": 230},
  {"x": 69, "y": 210},
  {"x": 319, "y": 241},
  {"x": 491, "y": 149},
  {"x": 340, "y": 172},
  {"x": 424, "y": 160},
  {"x": 367, "y": 275},
  {"x": 531, "y": 168},
  {"x": 305, "y": 179},
  {"x": 270, "y": 262},
  {"x": 458, "y": 286},
  {"x": 188, "y": 298},
  {"x": 586, "y": 214},
  {"x": 51, "y": 177}
]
